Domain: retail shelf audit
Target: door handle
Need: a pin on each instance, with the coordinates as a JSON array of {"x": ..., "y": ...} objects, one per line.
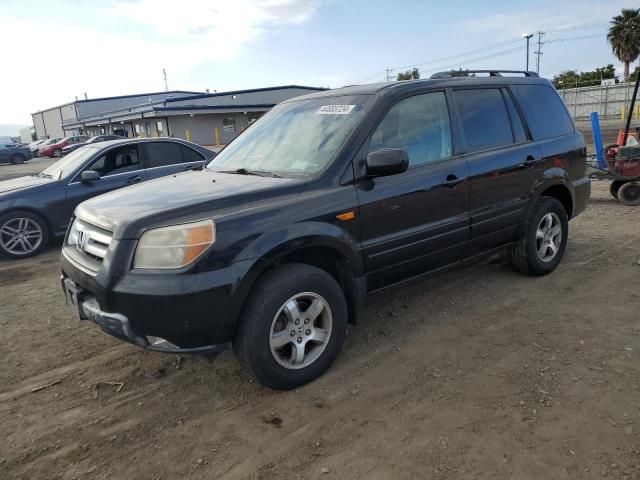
[
  {"x": 452, "y": 180},
  {"x": 135, "y": 179},
  {"x": 529, "y": 162}
]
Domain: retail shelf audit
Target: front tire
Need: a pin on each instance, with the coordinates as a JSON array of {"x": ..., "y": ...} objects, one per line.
[
  {"x": 629, "y": 193},
  {"x": 292, "y": 327},
  {"x": 544, "y": 240},
  {"x": 17, "y": 159},
  {"x": 57, "y": 153},
  {"x": 22, "y": 234}
]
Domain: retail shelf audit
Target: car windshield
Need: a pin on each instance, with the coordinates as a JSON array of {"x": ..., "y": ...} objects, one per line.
[
  {"x": 50, "y": 141},
  {"x": 69, "y": 164},
  {"x": 299, "y": 137}
]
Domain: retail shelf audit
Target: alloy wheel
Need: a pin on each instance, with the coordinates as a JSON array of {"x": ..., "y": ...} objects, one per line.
[
  {"x": 20, "y": 236},
  {"x": 300, "y": 330},
  {"x": 548, "y": 237}
]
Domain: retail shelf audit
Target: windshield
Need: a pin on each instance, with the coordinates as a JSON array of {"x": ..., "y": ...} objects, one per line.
[
  {"x": 66, "y": 166},
  {"x": 50, "y": 141},
  {"x": 294, "y": 138}
]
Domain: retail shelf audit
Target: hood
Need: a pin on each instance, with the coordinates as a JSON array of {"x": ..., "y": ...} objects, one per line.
[
  {"x": 32, "y": 184},
  {"x": 166, "y": 199}
]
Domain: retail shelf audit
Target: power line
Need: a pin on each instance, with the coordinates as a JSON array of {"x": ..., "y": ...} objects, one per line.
[
  {"x": 569, "y": 39},
  {"x": 581, "y": 27},
  {"x": 459, "y": 55},
  {"x": 484, "y": 57},
  {"x": 387, "y": 72}
]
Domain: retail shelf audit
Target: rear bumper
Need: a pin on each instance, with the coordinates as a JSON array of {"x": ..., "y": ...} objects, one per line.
[{"x": 581, "y": 194}]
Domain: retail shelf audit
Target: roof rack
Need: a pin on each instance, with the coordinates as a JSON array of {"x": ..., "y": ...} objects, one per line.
[{"x": 492, "y": 73}]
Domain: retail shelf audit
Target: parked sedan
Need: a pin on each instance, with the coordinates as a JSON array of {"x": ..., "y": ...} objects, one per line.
[
  {"x": 100, "y": 138},
  {"x": 14, "y": 153},
  {"x": 38, "y": 208},
  {"x": 55, "y": 149},
  {"x": 35, "y": 149}
]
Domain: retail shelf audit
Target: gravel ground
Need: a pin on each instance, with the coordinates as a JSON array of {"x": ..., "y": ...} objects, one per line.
[
  {"x": 30, "y": 167},
  {"x": 478, "y": 373}
]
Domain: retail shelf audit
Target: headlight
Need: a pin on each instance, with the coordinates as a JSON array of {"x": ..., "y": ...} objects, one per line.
[
  {"x": 72, "y": 238},
  {"x": 174, "y": 247}
]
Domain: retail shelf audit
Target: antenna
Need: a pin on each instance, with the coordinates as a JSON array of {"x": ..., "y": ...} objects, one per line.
[{"x": 166, "y": 87}]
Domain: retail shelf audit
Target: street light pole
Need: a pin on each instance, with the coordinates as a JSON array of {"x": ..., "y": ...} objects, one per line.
[{"x": 528, "y": 36}]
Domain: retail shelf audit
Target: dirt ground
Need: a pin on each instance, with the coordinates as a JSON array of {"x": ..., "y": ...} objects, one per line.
[{"x": 479, "y": 373}]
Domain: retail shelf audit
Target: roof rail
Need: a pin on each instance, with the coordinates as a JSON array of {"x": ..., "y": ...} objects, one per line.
[{"x": 492, "y": 73}]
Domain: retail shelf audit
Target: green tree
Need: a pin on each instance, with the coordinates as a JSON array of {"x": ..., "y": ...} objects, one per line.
[
  {"x": 409, "y": 75},
  {"x": 624, "y": 37},
  {"x": 568, "y": 78}
]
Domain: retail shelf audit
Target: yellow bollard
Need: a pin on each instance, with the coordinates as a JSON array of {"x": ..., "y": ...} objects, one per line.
[
  {"x": 217, "y": 135},
  {"x": 622, "y": 113},
  {"x": 187, "y": 135}
]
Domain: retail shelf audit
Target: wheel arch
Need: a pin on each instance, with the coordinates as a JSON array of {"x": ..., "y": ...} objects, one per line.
[
  {"x": 559, "y": 189},
  {"x": 323, "y": 252},
  {"x": 33, "y": 211}
]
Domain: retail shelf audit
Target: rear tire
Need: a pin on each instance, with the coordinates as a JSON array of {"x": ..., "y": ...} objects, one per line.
[
  {"x": 542, "y": 244},
  {"x": 614, "y": 188},
  {"x": 57, "y": 153},
  {"x": 629, "y": 193},
  {"x": 293, "y": 308},
  {"x": 17, "y": 159}
]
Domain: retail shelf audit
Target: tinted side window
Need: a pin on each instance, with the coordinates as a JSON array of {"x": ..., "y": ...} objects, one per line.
[
  {"x": 519, "y": 134},
  {"x": 546, "y": 114},
  {"x": 190, "y": 155},
  {"x": 484, "y": 118},
  {"x": 118, "y": 160},
  {"x": 418, "y": 124},
  {"x": 160, "y": 154}
]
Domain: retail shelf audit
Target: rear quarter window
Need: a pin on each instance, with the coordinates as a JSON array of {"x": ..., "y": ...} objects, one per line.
[{"x": 546, "y": 114}]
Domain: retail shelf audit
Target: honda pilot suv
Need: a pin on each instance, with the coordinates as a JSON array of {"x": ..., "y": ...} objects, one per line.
[{"x": 274, "y": 246}]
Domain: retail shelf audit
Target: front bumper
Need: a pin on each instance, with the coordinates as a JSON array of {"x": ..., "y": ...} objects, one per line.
[
  {"x": 118, "y": 325},
  {"x": 193, "y": 311}
]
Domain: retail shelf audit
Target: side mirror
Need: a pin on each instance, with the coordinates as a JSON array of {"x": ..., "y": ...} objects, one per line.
[
  {"x": 89, "y": 176},
  {"x": 387, "y": 161}
]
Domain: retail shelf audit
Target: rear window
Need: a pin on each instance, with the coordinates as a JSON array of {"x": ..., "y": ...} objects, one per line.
[
  {"x": 546, "y": 114},
  {"x": 485, "y": 120}
]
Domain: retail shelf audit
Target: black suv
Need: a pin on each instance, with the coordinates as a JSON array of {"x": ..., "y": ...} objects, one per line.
[{"x": 274, "y": 246}]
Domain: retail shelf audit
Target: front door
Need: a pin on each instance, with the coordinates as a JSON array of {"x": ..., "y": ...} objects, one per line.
[
  {"x": 418, "y": 220},
  {"x": 503, "y": 163},
  {"x": 118, "y": 167}
]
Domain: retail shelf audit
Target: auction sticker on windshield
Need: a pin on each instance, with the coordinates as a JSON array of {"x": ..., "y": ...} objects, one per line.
[{"x": 335, "y": 109}]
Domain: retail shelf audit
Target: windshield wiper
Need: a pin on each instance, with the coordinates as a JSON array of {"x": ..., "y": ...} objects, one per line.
[
  {"x": 44, "y": 175},
  {"x": 258, "y": 173}
]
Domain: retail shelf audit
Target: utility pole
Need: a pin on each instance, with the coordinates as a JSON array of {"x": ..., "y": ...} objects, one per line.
[
  {"x": 527, "y": 36},
  {"x": 389, "y": 70},
  {"x": 166, "y": 87},
  {"x": 538, "y": 52}
]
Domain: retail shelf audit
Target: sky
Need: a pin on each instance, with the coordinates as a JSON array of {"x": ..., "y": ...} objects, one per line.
[{"x": 55, "y": 50}]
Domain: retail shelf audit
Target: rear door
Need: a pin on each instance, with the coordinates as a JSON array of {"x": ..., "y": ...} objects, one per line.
[
  {"x": 119, "y": 167},
  {"x": 503, "y": 163},
  {"x": 418, "y": 220},
  {"x": 166, "y": 158}
]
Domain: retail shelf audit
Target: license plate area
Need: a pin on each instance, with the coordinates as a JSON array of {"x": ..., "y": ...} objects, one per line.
[{"x": 73, "y": 297}]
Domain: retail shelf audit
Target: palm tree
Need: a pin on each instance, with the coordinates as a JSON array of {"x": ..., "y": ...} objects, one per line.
[{"x": 624, "y": 37}]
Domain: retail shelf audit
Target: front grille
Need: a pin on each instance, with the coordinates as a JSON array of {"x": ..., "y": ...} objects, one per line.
[{"x": 88, "y": 240}]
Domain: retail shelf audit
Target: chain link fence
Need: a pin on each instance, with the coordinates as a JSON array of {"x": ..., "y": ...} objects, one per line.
[{"x": 610, "y": 101}]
